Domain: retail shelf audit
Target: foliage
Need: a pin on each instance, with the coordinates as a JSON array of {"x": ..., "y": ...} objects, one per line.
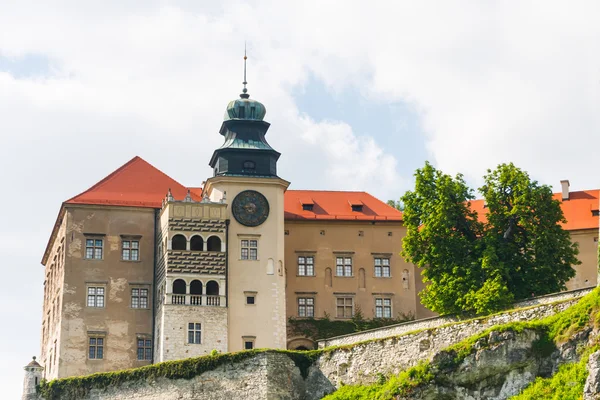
[
  {"x": 323, "y": 328},
  {"x": 395, "y": 387},
  {"x": 566, "y": 384},
  {"x": 78, "y": 387},
  {"x": 397, "y": 204},
  {"x": 479, "y": 267}
]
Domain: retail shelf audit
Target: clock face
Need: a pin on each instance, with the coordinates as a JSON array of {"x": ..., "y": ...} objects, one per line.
[{"x": 250, "y": 208}]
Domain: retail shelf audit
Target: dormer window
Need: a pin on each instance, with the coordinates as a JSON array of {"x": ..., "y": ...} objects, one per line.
[
  {"x": 249, "y": 165},
  {"x": 357, "y": 207},
  {"x": 307, "y": 203}
]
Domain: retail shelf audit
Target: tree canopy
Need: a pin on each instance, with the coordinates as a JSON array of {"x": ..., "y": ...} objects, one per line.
[{"x": 481, "y": 263}]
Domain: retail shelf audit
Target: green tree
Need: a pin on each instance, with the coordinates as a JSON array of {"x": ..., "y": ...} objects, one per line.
[
  {"x": 524, "y": 231},
  {"x": 398, "y": 205},
  {"x": 473, "y": 266},
  {"x": 441, "y": 238}
]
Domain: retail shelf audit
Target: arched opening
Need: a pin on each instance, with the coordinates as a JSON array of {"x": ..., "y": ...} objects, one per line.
[
  {"x": 212, "y": 294},
  {"x": 196, "y": 293},
  {"x": 361, "y": 278},
  {"x": 179, "y": 286},
  {"x": 328, "y": 277},
  {"x": 213, "y": 244},
  {"x": 212, "y": 288},
  {"x": 301, "y": 348},
  {"x": 179, "y": 242},
  {"x": 197, "y": 243},
  {"x": 196, "y": 287}
]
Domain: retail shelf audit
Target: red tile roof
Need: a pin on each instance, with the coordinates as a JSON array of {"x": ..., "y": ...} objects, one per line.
[
  {"x": 139, "y": 184},
  {"x": 136, "y": 184},
  {"x": 330, "y": 205},
  {"x": 577, "y": 210}
]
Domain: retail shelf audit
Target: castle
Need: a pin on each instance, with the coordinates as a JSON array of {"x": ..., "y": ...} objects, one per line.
[{"x": 141, "y": 269}]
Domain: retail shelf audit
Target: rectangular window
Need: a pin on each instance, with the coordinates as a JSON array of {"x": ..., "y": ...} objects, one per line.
[
  {"x": 306, "y": 266},
  {"x": 383, "y": 308},
  {"x": 131, "y": 250},
  {"x": 139, "y": 298},
  {"x": 93, "y": 249},
  {"x": 250, "y": 300},
  {"x": 343, "y": 266},
  {"x": 306, "y": 307},
  {"x": 95, "y": 297},
  {"x": 194, "y": 333},
  {"x": 382, "y": 268},
  {"x": 345, "y": 307},
  {"x": 144, "y": 349},
  {"x": 96, "y": 348},
  {"x": 248, "y": 344},
  {"x": 249, "y": 249}
]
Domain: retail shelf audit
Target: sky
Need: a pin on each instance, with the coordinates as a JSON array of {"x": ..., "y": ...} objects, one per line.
[{"x": 359, "y": 94}]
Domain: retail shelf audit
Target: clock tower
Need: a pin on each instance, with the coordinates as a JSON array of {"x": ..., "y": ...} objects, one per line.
[{"x": 245, "y": 179}]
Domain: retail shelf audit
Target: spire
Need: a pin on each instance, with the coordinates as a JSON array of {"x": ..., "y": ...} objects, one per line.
[{"x": 245, "y": 94}]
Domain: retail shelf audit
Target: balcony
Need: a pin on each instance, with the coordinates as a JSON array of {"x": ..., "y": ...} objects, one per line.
[{"x": 195, "y": 300}]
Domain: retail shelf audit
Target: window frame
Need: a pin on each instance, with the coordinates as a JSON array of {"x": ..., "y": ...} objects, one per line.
[
  {"x": 95, "y": 248},
  {"x": 345, "y": 265},
  {"x": 345, "y": 306},
  {"x": 249, "y": 244},
  {"x": 95, "y": 287},
  {"x": 303, "y": 267},
  {"x": 130, "y": 248},
  {"x": 382, "y": 306},
  {"x": 194, "y": 328},
  {"x": 380, "y": 266},
  {"x": 306, "y": 304},
  {"x": 139, "y": 297},
  {"x": 248, "y": 340},
  {"x": 146, "y": 348},
  {"x": 96, "y": 346}
]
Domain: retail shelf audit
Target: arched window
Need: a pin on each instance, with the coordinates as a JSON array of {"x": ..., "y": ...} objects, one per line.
[
  {"x": 179, "y": 242},
  {"x": 213, "y": 243},
  {"x": 196, "y": 287},
  {"x": 197, "y": 243},
  {"x": 179, "y": 286},
  {"x": 212, "y": 288}
]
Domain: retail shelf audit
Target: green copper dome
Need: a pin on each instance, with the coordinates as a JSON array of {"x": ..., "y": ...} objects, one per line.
[{"x": 245, "y": 109}]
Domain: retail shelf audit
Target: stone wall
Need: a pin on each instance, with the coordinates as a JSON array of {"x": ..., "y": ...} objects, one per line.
[
  {"x": 274, "y": 375},
  {"x": 429, "y": 323},
  {"x": 174, "y": 341}
]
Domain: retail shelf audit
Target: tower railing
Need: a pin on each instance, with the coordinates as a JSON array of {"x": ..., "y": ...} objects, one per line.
[{"x": 195, "y": 300}]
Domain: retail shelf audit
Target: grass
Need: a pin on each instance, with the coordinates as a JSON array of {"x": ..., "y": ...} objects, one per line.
[
  {"x": 554, "y": 329},
  {"x": 566, "y": 384},
  {"x": 79, "y": 387}
]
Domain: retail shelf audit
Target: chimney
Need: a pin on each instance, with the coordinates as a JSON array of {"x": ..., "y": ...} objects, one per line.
[{"x": 565, "y": 189}]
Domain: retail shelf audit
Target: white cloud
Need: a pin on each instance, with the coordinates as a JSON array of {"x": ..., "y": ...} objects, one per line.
[{"x": 492, "y": 82}]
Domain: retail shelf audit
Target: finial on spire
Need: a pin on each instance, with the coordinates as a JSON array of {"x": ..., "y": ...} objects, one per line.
[{"x": 245, "y": 94}]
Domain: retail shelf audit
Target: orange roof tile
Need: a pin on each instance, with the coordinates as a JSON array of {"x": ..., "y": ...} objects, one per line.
[
  {"x": 336, "y": 205},
  {"x": 577, "y": 210},
  {"x": 136, "y": 184}
]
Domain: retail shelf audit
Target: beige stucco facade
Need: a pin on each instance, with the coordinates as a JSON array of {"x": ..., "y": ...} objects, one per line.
[
  {"x": 360, "y": 241},
  {"x": 65, "y": 350},
  {"x": 586, "y": 274},
  {"x": 264, "y": 322}
]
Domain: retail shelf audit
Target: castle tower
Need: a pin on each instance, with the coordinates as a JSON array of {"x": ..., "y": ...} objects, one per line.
[
  {"x": 33, "y": 376},
  {"x": 245, "y": 177},
  {"x": 191, "y": 318}
]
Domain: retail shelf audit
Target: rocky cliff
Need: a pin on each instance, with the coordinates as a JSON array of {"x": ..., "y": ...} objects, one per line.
[{"x": 555, "y": 357}]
